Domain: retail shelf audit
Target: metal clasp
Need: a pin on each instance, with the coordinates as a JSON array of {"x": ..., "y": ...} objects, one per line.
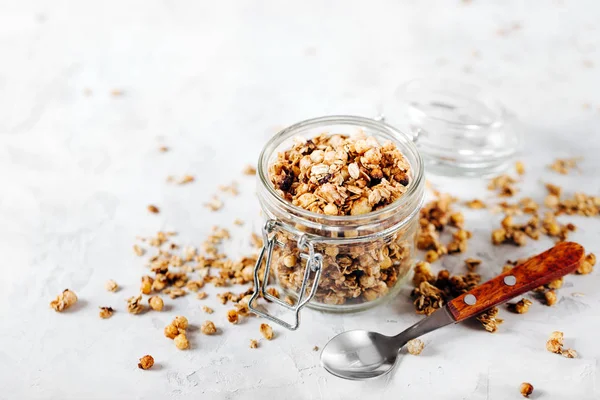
[{"x": 314, "y": 263}]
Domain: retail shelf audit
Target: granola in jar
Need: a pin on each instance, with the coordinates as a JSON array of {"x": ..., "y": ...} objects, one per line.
[{"x": 352, "y": 187}]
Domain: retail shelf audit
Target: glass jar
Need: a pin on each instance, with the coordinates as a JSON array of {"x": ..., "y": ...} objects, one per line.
[
  {"x": 335, "y": 263},
  {"x": 458, "y": 128}
]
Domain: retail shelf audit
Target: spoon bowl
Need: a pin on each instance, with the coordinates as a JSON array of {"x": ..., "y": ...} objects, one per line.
[{"x": 360, "y": 355}]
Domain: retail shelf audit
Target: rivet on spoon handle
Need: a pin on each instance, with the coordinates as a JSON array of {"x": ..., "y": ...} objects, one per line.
[{"x": 552, "y": 264}]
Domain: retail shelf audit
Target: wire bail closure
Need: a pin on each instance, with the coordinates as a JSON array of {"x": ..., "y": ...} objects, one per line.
[{"x": 314, "y": 263}]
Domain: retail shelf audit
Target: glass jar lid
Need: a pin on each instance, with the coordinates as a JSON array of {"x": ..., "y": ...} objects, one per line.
[{"x": 458, "y": 129}]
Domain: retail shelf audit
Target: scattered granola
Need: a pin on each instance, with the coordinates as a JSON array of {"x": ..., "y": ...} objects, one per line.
[
  {"x": 238, "y": 222},
  {"x": 232, "y": 188},
  {"x": 106, "y": 312},
  {"x": 253, "y": 343},
  {"x": 156, "y": 303},
  {"x": 550, "y": 297},
  {"x": 249, "y": 170},
  {"x": 181, "y": 181},
  {"x": 520, "y": 307},
  {"x": 569, "y": 353},
  {"x": 266, "y": 331},
  {"x": 431, "y": 293},
  {"x": 233, "y": 316},
  {"x": 180, "y": 322},
  {"x": 163, "y": 149},
  {"x": 520, "y": 168},
  {"x": 202, "y": 295},
  {"x": 504, "y": 184},
  {"x": 64, "y": 300},
  {"x": 489, "y": 319},
  {"x": 555, "y": 284},
  {"x": 181, "y": 341},
  {"x": 153, "y": 209},
  {"x": 472, "y": 264},
  {"x": 208, "y": 328},
  {"x": 555, "y": 343},
  {"x": 171, "y": 331},
  {"x": 138, "y": 250},
  {"x": 207, "y": 309},
  {"x": 214, "y": 204},
  {"x": 415, "y": 346},
  {"x": 111, "y": 286},
  {"x": 316, "y": 348},
  {"x": 146, "y": 362},
  {"x": 436, "y": 216},
  {"x": 475, "y": 204},
  {"x": 134, "y": 304},
  {"x": 564, "y": 165},
  {"x": 587, "y": 264},
  {"x": 526, "y": 389},
  {"x": 147, "y": 282},
  {"x": 174, "y": 292}
]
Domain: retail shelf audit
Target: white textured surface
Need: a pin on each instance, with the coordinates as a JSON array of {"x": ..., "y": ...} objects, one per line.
[{"x": 213, "y": 80}]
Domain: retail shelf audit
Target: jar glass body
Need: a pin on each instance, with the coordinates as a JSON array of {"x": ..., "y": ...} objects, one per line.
[{"x": 365, "y": 258}]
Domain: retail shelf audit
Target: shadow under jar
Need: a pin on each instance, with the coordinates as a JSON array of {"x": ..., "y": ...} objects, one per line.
[{"x": 337, "y": 263}]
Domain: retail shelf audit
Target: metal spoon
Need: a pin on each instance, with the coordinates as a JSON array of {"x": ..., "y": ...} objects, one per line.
[{"x": 361, "y": 354}]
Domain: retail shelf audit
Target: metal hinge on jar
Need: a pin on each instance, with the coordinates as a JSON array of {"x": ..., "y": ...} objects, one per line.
[{"x": 314, "y": 264}]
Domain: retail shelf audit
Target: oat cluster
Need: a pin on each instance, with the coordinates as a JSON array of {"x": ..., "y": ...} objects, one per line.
[
  {"x": 176, "y": 330},
  {"x": 436, "y": 217},
  {"x": 339, "y": 175},
  {"x": 520, "y": 307},
  {"x": 434, "y": 291},
  {"x": 526, "y": 389},
  {"x": 111, "y": 286},
  {"x": 415, "y": 346},
  {"x": 555, "y": 345},
  {"x": 208, "y": 328},
  {"x": 64, "y": 300},
  {"x": 266, "y": 331},
  {"x": 146, "y": 362},
  {"x": 504, "y": 185},
  {"x": 564, "y": 165},
  {"x": 587, "y": 265},
  {"x": 489, "y": 319},
  {"x": 579, "y": 204},
  {"x": 106, "y": 312}
]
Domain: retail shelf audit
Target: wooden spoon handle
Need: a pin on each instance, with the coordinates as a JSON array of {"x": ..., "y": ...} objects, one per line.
[{"x": 560, "y": 260}]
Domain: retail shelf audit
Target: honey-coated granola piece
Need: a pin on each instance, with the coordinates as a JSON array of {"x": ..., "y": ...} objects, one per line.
[
  {"x": 146, "y": 362},
  {"x": 64, "y": 300}
]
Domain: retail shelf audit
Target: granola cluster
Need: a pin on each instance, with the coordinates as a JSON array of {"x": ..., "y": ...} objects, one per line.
[
  {"x": 415, "y": 346},
  {"x": 342, "y": 176},
  {"x": 564, "y": 165},
  {"x": 489, "y": 319},
  {"x": 436, "y": 217},
  {"x": 146, "y": 362},
  {"x": 64, "y": 300},
  {"x": 434, "y": 291},
  {"x": 526, "y": 389},
  {"x": 339, "y": 175},
  {"x": 555, "y": 345},
  {"x": 177, "y": 330}
]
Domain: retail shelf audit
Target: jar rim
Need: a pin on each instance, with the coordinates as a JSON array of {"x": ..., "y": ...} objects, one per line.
[{"x": 289, "y": 132}]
